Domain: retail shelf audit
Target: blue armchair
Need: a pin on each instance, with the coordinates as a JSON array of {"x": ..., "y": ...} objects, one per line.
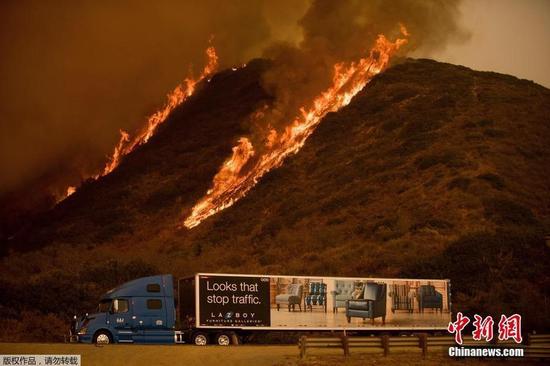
[
  {"x": 429, "y": 298},
  {"x": 317, "y": 296},
  {"x": 343, "y": 291},
  {"x": 371, "y": 305},
  {"x": 292, "y": 297}
]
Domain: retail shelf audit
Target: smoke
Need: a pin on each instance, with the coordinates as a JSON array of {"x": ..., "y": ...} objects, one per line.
[
  {"x": 344, "y": 45},
  {"x": 343, "y": 31},
  {"x": 74, "y": 73}
]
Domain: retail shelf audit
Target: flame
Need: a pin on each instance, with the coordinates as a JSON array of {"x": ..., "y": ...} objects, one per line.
[
  {"x": 233, "y": 182},
  {"x": 404, "y": 30},
  {"x": 126, "y": 144},
  {"x": 176, "y": 97},
  {"x": 229, "y": 177},
  {"x": 70, "y": 190}
]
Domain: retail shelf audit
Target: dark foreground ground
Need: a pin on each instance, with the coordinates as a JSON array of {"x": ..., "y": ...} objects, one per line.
[{"x": 235, "y": 355}]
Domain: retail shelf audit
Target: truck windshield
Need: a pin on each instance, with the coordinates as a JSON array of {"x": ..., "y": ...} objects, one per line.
[{"x": 104, "y": 306}]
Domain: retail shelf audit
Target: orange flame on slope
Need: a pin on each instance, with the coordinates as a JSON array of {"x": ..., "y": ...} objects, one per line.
[
  {"x": 175, "y": 98},
  {"x": 126, "y": 145},
  {"x": 70, "y": 190},
  {"x": 230, "y": 183}
]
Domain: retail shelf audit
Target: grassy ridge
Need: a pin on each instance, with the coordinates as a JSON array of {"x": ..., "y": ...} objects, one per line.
[{"x": 433, "y": 170}]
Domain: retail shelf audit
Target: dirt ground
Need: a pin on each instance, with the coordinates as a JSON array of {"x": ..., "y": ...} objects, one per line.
[{"x": 234, "y": 355}]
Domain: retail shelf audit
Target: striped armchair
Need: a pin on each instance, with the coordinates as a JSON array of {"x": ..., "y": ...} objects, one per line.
[{"x": 402, "y": 298}]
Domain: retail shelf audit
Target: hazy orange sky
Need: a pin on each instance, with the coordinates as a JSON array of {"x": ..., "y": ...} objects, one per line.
[
  {"x": 75, "y": 72},
  {"x": 507, "y": 36}
]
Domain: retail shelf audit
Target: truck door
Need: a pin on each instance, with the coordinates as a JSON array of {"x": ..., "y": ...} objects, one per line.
[
  {"x": 151, "y": 323},
  {"x": 120, "y": 318}
]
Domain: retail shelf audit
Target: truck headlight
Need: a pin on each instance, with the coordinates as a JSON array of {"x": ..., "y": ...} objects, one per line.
[{"x": 82, "y": 331}]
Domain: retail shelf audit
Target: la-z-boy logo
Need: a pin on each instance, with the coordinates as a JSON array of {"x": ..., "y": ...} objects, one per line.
[{"x": 232, "y": 315}]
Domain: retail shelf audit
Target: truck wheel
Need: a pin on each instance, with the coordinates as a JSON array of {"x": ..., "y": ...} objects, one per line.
[
  {"x": 223, "y": 339},
  {"x": 200, "y": 339},
  {"x": 102, "y": 337}
]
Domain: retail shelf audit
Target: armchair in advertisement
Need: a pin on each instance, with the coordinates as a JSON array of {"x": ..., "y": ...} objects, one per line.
[
  {"x": 371, "y": 305},
  {"x": 402, "y": 298},
  {"x": 343, "y": 291},
  {"x": 317, "y": 295},
  {"x": 429, "y": 298},
  {"x": 292, "y": 297}
]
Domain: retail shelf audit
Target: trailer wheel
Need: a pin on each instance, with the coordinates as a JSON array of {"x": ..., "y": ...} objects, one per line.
[
  {"x": 200, "y": 339},
  {"x": 102, "y": 337},
  {"x": 223, "y": 339}
]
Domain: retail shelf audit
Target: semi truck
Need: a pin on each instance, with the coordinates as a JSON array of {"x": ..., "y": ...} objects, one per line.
[{"x": 215, "y": 308}]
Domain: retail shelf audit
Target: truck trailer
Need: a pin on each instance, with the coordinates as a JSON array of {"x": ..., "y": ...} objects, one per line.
[{"x": 219, "y": 308}]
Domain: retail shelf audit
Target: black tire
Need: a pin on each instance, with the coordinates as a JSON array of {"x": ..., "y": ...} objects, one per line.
[
  {"x": 102, "y": 337},
  {"x": 199, "y": 339},
  {"x": 223, "y": 339}
]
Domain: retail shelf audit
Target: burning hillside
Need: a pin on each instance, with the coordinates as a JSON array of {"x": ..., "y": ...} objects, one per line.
[
  {"x": 327, "y": 59},
  {"x": 418, "y": 130},
  {"x": 243, "y": 169},
  {"x": 425, "y": 159},
  {"x": 127, "y": 144},
  {"x": 329, "y": 147}
]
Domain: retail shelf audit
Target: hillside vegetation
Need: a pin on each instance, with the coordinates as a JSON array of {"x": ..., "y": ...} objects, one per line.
[{"x": 433, "y": 170}]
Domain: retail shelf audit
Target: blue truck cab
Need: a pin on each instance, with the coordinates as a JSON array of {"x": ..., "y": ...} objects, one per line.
[{"x": 140, "y": 311}]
